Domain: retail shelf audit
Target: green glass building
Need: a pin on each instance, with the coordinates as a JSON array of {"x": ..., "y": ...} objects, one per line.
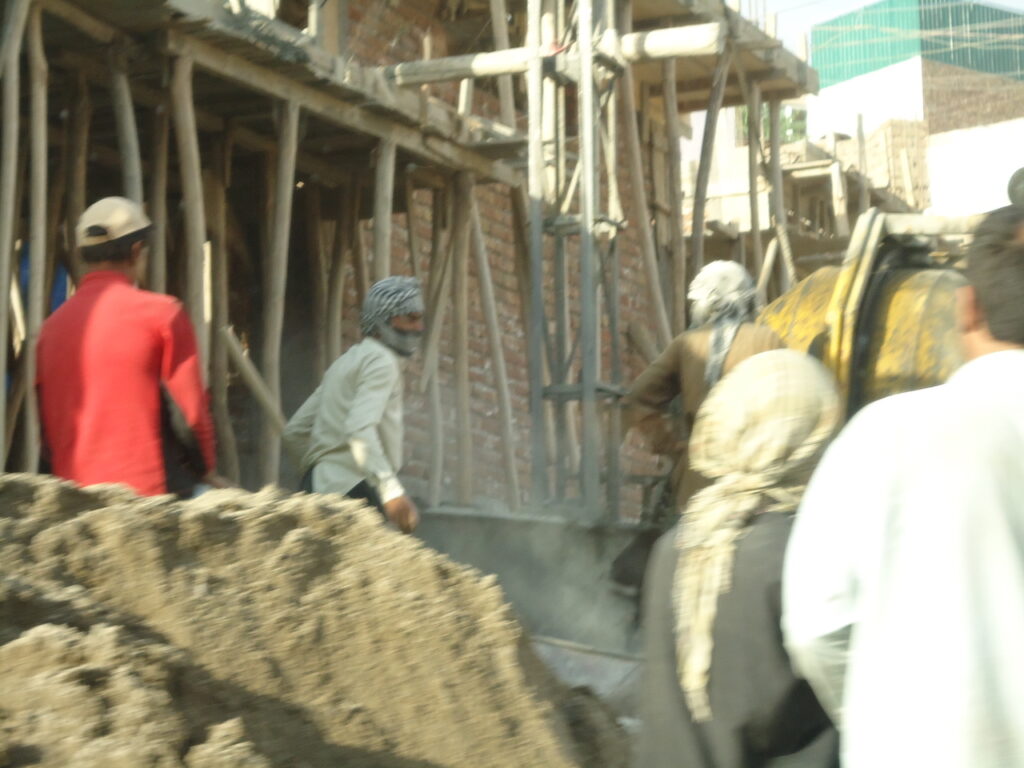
[{"x": 973, "y": 36}]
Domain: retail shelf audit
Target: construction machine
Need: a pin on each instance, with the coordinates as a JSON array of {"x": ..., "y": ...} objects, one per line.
[{"x": 882, "y": 320}]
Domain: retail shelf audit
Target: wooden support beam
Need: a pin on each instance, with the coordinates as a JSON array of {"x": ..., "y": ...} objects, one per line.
[
  {"x": 640, "y": 212},
  {"x": 864, "y": 193},
  {"x": 707, "y": 149},
  {"x": 838, "y": 185},
  {"x": 215, "y": 195},
  {"x": 89, "y": 25},
  {"x": 276, "y": 277},
  {"x": 319, "y": 272},
  {"x": 127, "y": 130},
  {"x": 335, "y": 110},
  {"x": 344, "y": 234},
  {"x": 753, "y": 174},
  {"x": 39, "y": 81},
  {"x": 190, "y": 168},
  {"x": 11, "y": 85},
  {"x": 677, "y": 240},
  {"x": 438, "y": 301},
  {"x": 383, "y": 196},
  {"x": 14, "y": 29},
  {"x": 78, "y": 167},
  {"x": 158, "y": 199},
  {"x": 490, "y": 310},
  {"x": 463, "y": 396},
  {"x": 251, "y": 378},
  {"x": 499, "y": 30},
  {"x": 410, "y": 228}
]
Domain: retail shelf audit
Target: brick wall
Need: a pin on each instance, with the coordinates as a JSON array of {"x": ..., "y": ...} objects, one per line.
[{"x": 956, "y": 98}]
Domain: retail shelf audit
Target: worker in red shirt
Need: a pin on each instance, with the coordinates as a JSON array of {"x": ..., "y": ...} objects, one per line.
[{"x": 119, "y": 379}]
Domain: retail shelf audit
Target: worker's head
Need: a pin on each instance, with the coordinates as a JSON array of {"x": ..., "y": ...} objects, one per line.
[
  {"x": 113, "y": 233},
  {"x": 990, "y": 309},
  {"x": 393, "y": 314},
  {"x": 722, "y": 291}
]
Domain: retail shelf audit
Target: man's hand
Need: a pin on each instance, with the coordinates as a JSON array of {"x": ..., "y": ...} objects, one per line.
[{"x": 402, "y": 512}]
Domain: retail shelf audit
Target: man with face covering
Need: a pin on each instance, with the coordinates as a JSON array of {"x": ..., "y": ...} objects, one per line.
[
  {"x": 348, "y": 433},
  {"x": 723, "y": 304}
]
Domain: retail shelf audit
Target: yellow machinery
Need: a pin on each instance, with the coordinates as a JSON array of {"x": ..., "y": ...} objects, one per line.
[{"x": 883, "y": 321}]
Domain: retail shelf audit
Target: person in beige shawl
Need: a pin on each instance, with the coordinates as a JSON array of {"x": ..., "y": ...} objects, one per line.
[{"x": 719, "y": 690}]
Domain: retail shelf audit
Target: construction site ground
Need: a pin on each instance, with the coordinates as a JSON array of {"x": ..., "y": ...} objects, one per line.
[{"x": 262, "y": 630}]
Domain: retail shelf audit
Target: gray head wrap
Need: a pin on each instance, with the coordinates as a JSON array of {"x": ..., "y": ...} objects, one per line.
[
  {"x": 723, "y": 296},
  {"x": 391, "y": 297}
]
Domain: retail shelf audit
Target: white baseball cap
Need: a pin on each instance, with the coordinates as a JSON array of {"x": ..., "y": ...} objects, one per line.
[{"x": 110, "y": 219}]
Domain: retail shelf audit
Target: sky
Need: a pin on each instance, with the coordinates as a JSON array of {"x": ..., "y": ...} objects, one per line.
[{"x": 796, "y": 17}]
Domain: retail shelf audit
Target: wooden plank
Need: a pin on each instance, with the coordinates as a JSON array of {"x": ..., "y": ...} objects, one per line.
[
  {"x": 490, "y": 310},
  {"x": 277, "y": 274},
  {"x": 158, "y": 199},
  {"x": 251, "y": 378},
  {"x": 39, "y": 81},
  {"x": 127, "y": 130},
  {"x": 11, "y": 85},
  {"x": 383, "y": 196},
  {"x": 420, "y": 143},
  {"x": 192, "y": 193},
  {"x": 81, "y": 122},
  {"x": 677, "y": 240},
  {"x": 707, "y": 148}
]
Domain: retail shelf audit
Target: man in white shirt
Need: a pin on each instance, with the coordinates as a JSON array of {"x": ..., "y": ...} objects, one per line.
[
  {"x": 903, "y": 590},
  {"x": 349, "y": 431}
]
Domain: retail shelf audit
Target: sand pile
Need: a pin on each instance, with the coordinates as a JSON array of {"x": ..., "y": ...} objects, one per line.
[{"x": 260, "y": 630}]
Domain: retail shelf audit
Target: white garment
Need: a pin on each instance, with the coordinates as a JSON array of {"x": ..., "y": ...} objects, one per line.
[
  {"x": 903, "y": 591},
  {"x": 350, "y": 428}
]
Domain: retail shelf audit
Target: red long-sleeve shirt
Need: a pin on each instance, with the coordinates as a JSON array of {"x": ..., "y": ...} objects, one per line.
[{"x": 120, "y": 389}]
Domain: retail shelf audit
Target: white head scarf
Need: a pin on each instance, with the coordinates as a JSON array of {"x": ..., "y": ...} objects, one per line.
[
  {"x": 723, "y": 296},
  {"x": 388, "y": 298},
  {"x": 758, "y": 435}
]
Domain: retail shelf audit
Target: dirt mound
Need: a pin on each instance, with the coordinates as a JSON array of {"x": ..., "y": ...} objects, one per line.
[{"x": 261, "y": 630}]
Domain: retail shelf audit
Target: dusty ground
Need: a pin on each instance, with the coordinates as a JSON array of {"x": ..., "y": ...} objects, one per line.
[{"x": 258, "y": 630}]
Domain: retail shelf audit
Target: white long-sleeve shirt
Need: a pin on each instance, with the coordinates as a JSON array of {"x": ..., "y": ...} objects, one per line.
[
  {"x": 903, "y": 591},
  {"x": 350, "y": 428}
]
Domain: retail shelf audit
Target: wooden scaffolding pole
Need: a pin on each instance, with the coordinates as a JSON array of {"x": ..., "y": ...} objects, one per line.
[
  {"x": 319, "y": 271},
  {"x": 707, "y": 149},
  {"x": 217, "y": 207},
  {"x": 864, "y": 195},
  {"x": 438, "y": 300},
  {"x": 276, "y": 277},
  {"x": 251, "y": 378},
  {"x": 779, "y": 194},
  {"x": 192, "y": 193},
  {"x": 460, "y": 266},
  {"x": 342, "y": 246},
  {"x": 674, "y": 134},
  {"x": 127, "y": 130},
  {"x": 490, "y": 308},
  {"x": 383, "y": 195},
  {"x": 14, "y": 34},
  {"x": 78, "y": 167},
  {"x": 754, "y": 174},
  {"x": 641, "y": 212},
  {"x": 157, "y": 280},
  {"x": 38, "y": 79}
]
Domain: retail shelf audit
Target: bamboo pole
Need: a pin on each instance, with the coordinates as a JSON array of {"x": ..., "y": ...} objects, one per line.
[
  {"x": 13, "y": 37},
  {"x": 674, "y": 134},
  {"x": 251, "y": 378},
  {"x": 383, "y": 195},
  {"x": 192, "y": 193},
  {"x": 78, "y": 167},
  {"x": 641, "y": 212},
  {"x": 753, "y": 170},
  {"x": 277, "y": 273},
  {"x": 127, "y": 130},
  {"x": 217, "y": 203},
  {"x": 14, "y": 30},
  {"x": 38, "y": 79},
  {"x": 489, "y": 305},
  {"x": 460, "y": 266},
  {"x": 707, "y": 149},
  {"x": 158, "y": 200}
]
